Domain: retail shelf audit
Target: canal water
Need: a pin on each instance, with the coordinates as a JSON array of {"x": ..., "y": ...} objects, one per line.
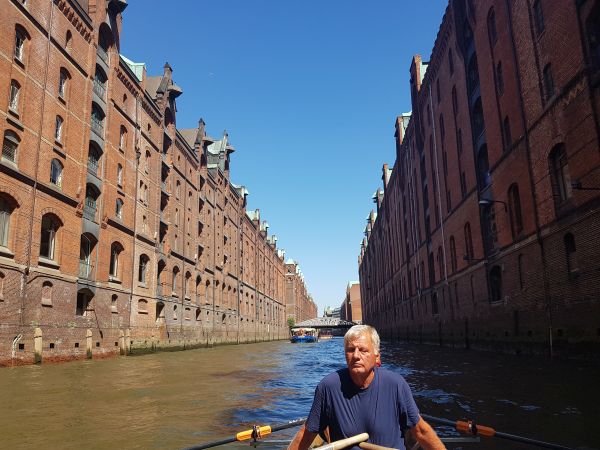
[{"x": 173, "y": 400}]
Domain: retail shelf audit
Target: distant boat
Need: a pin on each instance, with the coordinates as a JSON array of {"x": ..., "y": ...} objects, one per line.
[
  {"x": 301, "y": 335},
  {"x": 325, "y": 335}
]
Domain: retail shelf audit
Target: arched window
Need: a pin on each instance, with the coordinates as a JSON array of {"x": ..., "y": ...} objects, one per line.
[
  {"x": 87, "y": 244},
  {"x": 177, "y": 189},
  {"x": 97, "y": 120},
  {"x": 58, "y": 130},
  {"x": 68, "y": 40},
  {"x": 454, "y": 101},
  {"x": 49, "y": 229},
  {"x": 63, "y": 78},
  {"x": 548, "y": 82},
  {"x": 506, "y": 134},
  {"x": 119, "y": 174},
  {"x": 47, "y": 293},
  {"x": 147, "y": 161},
  {"x": 21, "y": 37},
  {"x": 453, "y": 261},
  {"x": 56, "y": 170},
  {"x": 119, "y": 208},
  {"x": 499, "y": 79},
  {"x": 559, "y": 174},
  {"x": 160, "y": 312},
  {"x": 143, "y": 268},
  {"x": 13, "y": 101},
  {"x": 114, "y": 305},
  {"x": 514, "y": 211},
  {"x": 174, "y": 279},
  {"x": 123, "y": 138},
  {"x": 10, "y": 146},
  {"x": 496, "y": 284},
  {"x": 94, "y": 155},
  {"x": 492, "y": 32},
  {"x": 186, "y": 286},
  {"x": 468, "y": 242},
  {"x": 91, "y": 198},
  {"x": 6, "y": 209},
  {"x": 571, "y": 254},
  {"x": 538, "y": 17},
  {"x": 483, "y": 166},
  {"x": 142, "y": 306},
  {"x": 100, "y": 83}
]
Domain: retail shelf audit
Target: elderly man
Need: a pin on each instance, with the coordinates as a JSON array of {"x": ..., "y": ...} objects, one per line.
[{"x": 365, "y": 398}]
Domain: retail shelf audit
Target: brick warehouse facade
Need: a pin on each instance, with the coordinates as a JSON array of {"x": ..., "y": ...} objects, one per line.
[
  {"x": 299, "y": 303},
  {"x": 118, "y": 231},
  {"x": 487, "y": 227}
]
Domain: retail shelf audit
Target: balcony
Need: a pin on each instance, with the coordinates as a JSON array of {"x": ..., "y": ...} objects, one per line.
[{"x": 86, "y": 270}]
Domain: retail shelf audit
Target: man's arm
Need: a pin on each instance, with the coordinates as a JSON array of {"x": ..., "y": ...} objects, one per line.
[
  {"x": 426, "y": 436},
  {"x": 302, "y": 440}
]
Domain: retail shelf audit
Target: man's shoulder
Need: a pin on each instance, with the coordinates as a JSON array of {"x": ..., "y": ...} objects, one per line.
[
  {"x": 390, "y": 376},
  {"x": 335, "y": 378}
]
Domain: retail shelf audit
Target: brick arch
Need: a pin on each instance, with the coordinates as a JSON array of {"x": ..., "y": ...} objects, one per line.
[
  {"x": 12, "y": 196},
  {"x": 54, "y": 212}
]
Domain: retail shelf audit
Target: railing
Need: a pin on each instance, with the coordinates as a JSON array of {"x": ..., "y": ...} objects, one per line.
[
  {"x": 99, "y": 88},
  {"x": 98, "y": 125},
  {"x": 92, "y": 166},
  {"x": 86, "y": 270},
  {"x": 89, "y": 212}
]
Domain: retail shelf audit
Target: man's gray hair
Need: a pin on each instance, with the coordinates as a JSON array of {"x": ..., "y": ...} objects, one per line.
[{"x": 363, "y": 330}]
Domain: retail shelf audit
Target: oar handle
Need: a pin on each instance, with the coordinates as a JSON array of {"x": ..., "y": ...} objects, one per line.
[
  {"x": 369, "y": 446},
  {"x": 343, "y": 443}
]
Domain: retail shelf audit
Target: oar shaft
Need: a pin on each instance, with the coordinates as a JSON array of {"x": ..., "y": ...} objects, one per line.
[
  {"x": 488, "y": 431},
  {"x": 525, "y": 440},
  {"x": 243, "y": 435}
]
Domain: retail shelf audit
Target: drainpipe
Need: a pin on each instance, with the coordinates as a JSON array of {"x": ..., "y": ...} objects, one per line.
[{"x": 25, "y": 274}]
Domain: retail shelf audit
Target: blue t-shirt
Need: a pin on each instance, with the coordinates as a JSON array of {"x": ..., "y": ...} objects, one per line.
[{"x": 385, "y": 409}]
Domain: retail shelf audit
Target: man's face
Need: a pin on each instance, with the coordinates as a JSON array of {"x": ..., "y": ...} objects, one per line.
[{"x": 360, "y": 355}]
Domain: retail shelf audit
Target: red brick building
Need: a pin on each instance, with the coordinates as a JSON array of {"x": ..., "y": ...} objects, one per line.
[
  {"x": 300, "y": 305},
  {"x": 351, "y": 309},
  {"x": 117, "y": 229},
  {"x": 486, "y": 229}
]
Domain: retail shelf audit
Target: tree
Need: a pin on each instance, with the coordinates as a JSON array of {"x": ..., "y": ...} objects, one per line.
[{"x": 291, "y": 322}]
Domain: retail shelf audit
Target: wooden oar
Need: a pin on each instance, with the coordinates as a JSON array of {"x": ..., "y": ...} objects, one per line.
[
  {"x": 343, "y": 443},
  {"x": 470, "y": 427},
  {"x": 256, "y": 432},
  {"x": 369, "y": 446}
]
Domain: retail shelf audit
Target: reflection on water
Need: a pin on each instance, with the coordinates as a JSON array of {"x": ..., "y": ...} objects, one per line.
[{"x": 172, "y": 400}]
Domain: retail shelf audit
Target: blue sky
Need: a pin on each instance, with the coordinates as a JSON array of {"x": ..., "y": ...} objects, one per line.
[{"x": 308, "y": 91}]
